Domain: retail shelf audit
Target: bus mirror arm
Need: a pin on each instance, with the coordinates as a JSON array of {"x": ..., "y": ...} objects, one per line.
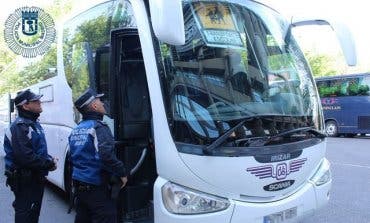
[{"x": 343, "y": 34}]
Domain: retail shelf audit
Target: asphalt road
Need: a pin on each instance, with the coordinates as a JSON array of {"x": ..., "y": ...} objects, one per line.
[{"x": 350, "y": 195}]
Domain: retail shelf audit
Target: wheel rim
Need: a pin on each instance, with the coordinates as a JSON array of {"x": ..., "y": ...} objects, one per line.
[{"x": 331, "y": 129}]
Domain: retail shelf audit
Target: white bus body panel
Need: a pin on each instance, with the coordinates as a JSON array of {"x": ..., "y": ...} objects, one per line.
[
  {"x": 3, "y": 127},
  {"x": 57, "y": 118},
  {"x": 163, "y": 216},
  {"x": 171, "y": 167},
  {"x": 169, "y": 163},
  {"x": 232, "y": 175},
  {"x": 57, "y": 121},
  {"x": 306, "y": 200}
]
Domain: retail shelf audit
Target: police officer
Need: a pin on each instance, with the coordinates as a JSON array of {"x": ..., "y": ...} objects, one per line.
[
  {"x": 27, "y": 161},
  {"x": 94, "y": 162}
]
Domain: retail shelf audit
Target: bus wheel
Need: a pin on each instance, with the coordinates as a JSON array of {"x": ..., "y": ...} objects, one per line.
[{"x": 331, "y": 128}]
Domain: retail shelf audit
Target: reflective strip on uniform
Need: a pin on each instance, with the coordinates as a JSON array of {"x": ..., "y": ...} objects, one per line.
[
  {"x": 21, "y": 103},
  {"x": 88, "y": 101},
  {"x": 29, "y": 135}
]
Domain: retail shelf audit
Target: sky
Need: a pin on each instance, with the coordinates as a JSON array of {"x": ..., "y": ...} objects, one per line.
[{"x": 353, "y": 13}]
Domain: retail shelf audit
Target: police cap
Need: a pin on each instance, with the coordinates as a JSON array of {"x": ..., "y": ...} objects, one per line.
[
  {"x": 86, "y": 98},
  {"x": 26, "y": 96}
]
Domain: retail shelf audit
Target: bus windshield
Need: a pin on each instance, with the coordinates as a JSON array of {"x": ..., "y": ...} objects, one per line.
[{"x": 239, "y": 60}]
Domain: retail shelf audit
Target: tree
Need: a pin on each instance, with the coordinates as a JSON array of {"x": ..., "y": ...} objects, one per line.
[
  {"x": 321, "y": 65},
  {"x": 6, "y": 55}
]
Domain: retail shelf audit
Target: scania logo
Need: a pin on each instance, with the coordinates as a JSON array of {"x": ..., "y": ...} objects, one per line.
[
  {"x": 279, "y": 172},
  {"x": 278, "y": 185}
]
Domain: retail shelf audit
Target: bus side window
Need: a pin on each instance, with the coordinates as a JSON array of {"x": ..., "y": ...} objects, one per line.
[
  {"x": 356, "y": 87},
  {"x": 102, "y": 80},
  {"x": 365, "y": 85},
  {"x": 81, "y": 76}
]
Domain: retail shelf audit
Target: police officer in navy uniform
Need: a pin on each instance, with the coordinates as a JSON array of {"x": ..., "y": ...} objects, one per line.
[
  {"x": 94, "y": 162},
  {"x": 27, "y": 161}
]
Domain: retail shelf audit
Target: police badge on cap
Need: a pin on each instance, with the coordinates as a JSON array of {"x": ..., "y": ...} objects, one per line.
[
  {"x": 86, "y": 98},
  {"x": 26, "y": 96}
]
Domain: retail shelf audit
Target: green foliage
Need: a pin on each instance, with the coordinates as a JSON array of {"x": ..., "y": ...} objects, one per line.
[
  {"x": 80, "y": 69},
  {"x": 91, "y": 34},
  {"x": 321, "y": 65},
  {"x": 331, "y": 91},
  {"x": 38, "y": 71},
  {"x": 280, "y": 61},
  {"x": 358, "y": 89},
  {"x": 6, "y": 55},
  {"x": 343, "y": 88},
  {"x": 59, "y": 8},
  {"x": 93, "y": 31},
  {"x": 15, "y": 78},
  {"x": 122, "y": 17},
  {"x": 9, "y": 82}
]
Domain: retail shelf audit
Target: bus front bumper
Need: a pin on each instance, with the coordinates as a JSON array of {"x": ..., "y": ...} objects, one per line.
[{"x": 293, "y": 208}]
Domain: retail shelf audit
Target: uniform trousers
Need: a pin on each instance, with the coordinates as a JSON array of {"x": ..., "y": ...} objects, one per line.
[
  {"x": 28, "y": 193},
  {"x": 95, "y": 205}
]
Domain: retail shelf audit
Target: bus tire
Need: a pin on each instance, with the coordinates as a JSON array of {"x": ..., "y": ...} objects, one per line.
[{"x": 331, "y": 128}]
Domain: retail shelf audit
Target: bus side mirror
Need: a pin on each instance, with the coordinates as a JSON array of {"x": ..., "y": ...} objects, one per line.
[
  {"x": 168, "y": 21},
  {"x": 343, "y": 34}
]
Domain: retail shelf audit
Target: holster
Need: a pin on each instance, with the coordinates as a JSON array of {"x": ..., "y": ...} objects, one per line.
[
  {"x": 72, "y": 198},
  {"x": 12, "y": 180},
  {"x": 115, "y": 185},
  {"x": 16, "y": 177}
]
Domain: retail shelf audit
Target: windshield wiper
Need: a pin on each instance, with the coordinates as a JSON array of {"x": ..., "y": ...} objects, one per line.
[
  {"x": 224, "y": 136},
  {"x": 311, "y": 130}
]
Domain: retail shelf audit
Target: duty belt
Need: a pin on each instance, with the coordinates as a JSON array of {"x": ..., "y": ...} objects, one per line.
[
  {"x": 10, "y": 173},
  {"x": 84, "y": 187},
  {"x": 22, "y": 173}
]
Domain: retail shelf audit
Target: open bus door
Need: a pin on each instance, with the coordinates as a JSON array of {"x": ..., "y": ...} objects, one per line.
[{"x": 129, "y": 106}]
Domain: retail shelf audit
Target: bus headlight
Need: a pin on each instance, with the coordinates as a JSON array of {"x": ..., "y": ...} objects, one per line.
[
  {"x": 323, "y": 174},
  {"x": 182, "y": 200}
]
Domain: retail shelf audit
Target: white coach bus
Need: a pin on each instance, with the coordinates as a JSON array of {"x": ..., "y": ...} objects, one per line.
[{"x": 212, "y": 105}]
